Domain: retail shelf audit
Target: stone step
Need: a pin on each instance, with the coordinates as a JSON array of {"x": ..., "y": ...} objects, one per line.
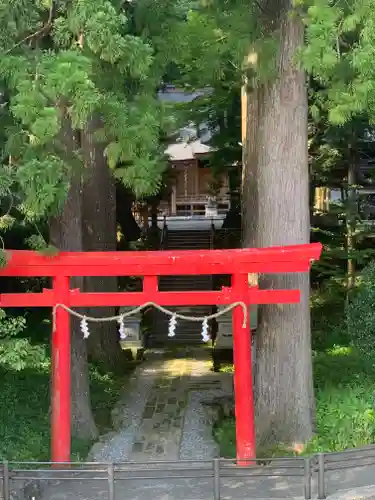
[
  {"x": 188, "y": 246},
  {"x": 186, "y": 332},
  {"x": 185, "y": 284},
  {"x": 186, "y": 240}
]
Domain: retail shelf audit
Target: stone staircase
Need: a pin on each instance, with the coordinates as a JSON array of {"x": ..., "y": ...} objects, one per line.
[{"x": 187, "y": 332}]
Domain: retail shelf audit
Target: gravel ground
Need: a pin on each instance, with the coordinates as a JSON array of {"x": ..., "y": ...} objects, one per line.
[
  {"x": 197, "y": 441},
  {"x": 118, "y": 447}
]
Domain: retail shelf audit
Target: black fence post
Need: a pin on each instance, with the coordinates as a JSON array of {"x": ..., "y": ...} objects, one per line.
[
  {"x": 216, "y": 470},
  {"x": 307, "y": 478},
  {"x": 321, "y": 477},
  {"x": 111, "y": 482},
  {"x": 6, "y": 488}
]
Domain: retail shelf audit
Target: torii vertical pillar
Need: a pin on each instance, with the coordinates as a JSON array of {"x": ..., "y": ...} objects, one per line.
[
  {"x": 243, "y": 376},
  {"x": 61, "y": 375}
]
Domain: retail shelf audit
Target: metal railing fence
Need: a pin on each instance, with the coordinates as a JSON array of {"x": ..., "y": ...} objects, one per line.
[{"x": 311, "y": 471}]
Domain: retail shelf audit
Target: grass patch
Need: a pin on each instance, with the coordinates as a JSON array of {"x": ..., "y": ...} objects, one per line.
[
  {"x": 327, "y": 317},
  {"x": 227, "y": 368},
  {"x": 25, "y": 402},
  {"x": 344, "y": 385}
]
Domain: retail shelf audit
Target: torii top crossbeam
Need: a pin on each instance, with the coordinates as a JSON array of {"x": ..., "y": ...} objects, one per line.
[{"x": 295, "y": 258}]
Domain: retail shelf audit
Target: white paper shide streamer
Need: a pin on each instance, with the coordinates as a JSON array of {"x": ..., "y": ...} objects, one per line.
[
  {"x": 172, "y": 326},
  {"x": 204, "y": 333},
  {"x": 85, "y": 328},
  {"x": 122, "y": 329}
]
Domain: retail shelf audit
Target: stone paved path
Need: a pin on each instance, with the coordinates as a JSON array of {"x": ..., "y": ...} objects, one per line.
[
  {"x": 161, "y": 416},
  {"x": 164, "y": 415},
  {"x": 159, "y": 433}
]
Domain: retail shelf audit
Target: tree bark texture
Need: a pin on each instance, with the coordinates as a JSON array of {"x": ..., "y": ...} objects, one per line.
[
  {"x": 276, "y": 212},
  {"x": 66, "y": 235},
  {"x": 100, "y": 234},
  {"x": 249, "y": 182},
  {"x": 125, "y": 218},
  {"x": 351, "y": 217}
]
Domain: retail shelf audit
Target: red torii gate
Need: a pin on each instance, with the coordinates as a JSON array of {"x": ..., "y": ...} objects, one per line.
[{"x": 150, "y": 265}]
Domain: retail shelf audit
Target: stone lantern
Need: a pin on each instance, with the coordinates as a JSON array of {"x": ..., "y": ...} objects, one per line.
[
  {"x": 134, "y": 338},
  {"x": 224, "y": 338}
]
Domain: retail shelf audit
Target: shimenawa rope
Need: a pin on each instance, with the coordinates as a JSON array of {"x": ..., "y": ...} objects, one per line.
[{"x": 172, "y": 323}]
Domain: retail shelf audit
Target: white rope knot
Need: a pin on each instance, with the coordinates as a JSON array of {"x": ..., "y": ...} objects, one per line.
[
  {"x": 172, "y": 326},
  {"x": 85, "y": 328},
  {"x": 122, "y": 329},
  {"x": 205, "y": 336}
]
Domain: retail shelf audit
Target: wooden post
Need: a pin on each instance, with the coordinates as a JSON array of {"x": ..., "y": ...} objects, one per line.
[
  {"x": 60, "y": 420},
  {"x": 243, "y": 113},
  {"x": 173, "y": 200}
]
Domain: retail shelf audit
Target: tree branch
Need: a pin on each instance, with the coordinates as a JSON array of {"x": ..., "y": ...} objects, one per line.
[{"x": 40, "y": 32}]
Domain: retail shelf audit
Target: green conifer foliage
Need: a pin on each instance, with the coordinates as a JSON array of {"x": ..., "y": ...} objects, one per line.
[
  {"x": 340, "y": 38},
  {"x": 78, "y": 57},
  {"x": 77, "y": 79}
]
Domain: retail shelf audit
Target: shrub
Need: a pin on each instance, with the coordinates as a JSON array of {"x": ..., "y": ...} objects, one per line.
[
  {"x": 361, "y": 313},
  {"x": 16, "y": 353},
  {"x": 12, "y": 326},
  {"x": 344, "y": 415},
  {"x": 328, "y": 326}
]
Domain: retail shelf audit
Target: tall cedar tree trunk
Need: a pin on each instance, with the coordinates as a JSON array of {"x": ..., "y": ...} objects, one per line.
[
  {"x": 126, "y": 222},
  {"x": 66, "y": 235},
  {"x": 100, "y": 234},
  {"x": 276, "y": 212},
  {"x": 351, "y": 217}
]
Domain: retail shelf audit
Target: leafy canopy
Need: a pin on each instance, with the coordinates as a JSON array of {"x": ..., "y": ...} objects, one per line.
[
  {"x": 60, "y": 66},
  {"x": 340, "y": 40}
]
